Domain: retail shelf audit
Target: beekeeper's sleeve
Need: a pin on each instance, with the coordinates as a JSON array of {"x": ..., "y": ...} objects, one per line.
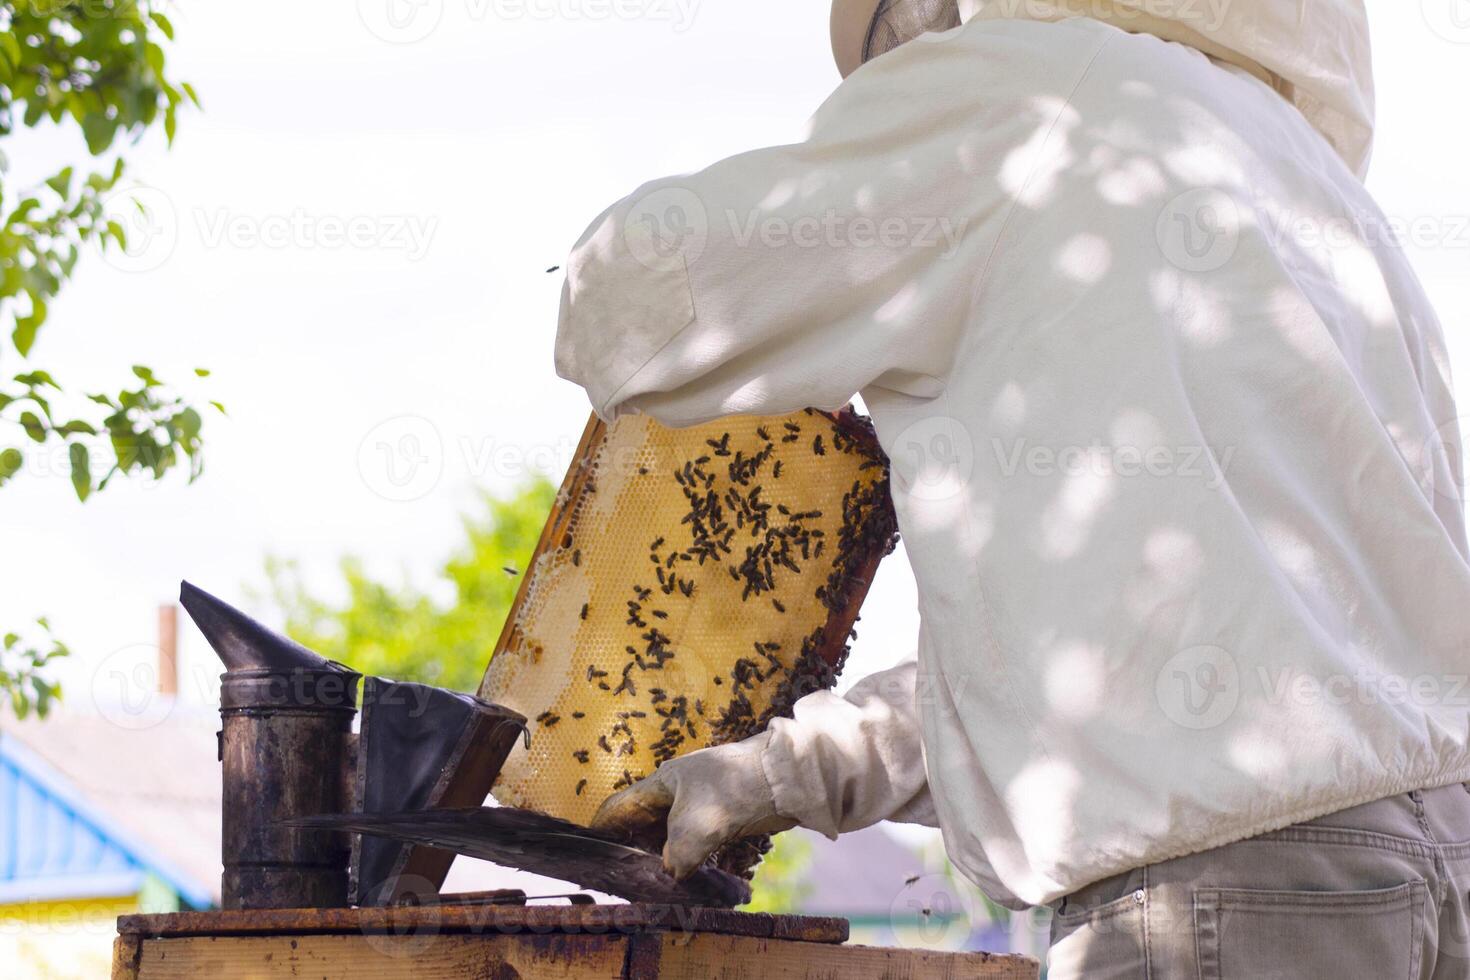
[
  {"x": 845, "y": 763},
  {"x": 794, "y": 276}
]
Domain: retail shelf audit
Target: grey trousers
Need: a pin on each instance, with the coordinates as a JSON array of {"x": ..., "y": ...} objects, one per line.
[{"x": 1378, "y": 892}]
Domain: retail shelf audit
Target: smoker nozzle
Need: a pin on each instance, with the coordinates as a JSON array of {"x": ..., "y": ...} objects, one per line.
[{"x": 241, "y": 642}]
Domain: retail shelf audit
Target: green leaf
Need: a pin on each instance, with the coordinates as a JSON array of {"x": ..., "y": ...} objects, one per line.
[
  {"x": 202, "y": 372},
  {"x": 98, "y": 131},
  {"x": 33, "y": 426},
  {"x": 118, "y": 235},
  {"x": 145, "y": 373},
  {"x": 163, "y": 24},
  {"x": 153, "y": 56},
  {"x": 193, "y": 95},
  {"x": 10, "y": 47},
  {"x": 22, "y": 211},
  {"x": 61, "y": 183},
  {"x": 219, "y": 407},
  {"x": 10, "y": 464},
  {"x": 37, "y": 379},
  {"x": 81, "y": 470},
  {"x": 189, "y": 424}
]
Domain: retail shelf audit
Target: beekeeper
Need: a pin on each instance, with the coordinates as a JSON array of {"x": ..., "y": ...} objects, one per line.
[{"x": 1174, "y": 457}]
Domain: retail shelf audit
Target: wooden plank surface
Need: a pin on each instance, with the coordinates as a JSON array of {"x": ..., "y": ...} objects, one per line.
[
  {"x": 671, "y": 956},
  {"x": 126, "y": 951},
  {"x": 710, "y": 957},
  {"x": 497, "y": 919},
  {"x": 383, "y": 957}
]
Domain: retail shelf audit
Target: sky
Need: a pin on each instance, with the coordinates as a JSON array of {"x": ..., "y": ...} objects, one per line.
[{"x": 353, "y": 236}]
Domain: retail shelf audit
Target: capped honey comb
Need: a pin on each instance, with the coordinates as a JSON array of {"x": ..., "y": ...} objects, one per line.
[{"x": 690, "y": 585}]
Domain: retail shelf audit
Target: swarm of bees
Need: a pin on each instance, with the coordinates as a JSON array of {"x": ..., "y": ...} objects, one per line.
[{"x": 759, "y": 538}]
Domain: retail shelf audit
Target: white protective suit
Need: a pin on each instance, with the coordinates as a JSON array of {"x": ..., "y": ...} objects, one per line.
[{"x": 1175, "y": 452}]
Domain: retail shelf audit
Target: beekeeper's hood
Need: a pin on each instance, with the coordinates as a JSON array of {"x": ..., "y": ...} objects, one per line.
[{"x": 1314, "y": 52}]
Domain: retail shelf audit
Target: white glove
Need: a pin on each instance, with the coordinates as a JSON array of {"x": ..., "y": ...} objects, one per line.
[{"x": 692, "y": 805}]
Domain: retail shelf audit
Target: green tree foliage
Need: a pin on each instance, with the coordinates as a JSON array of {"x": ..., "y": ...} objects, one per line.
[
  {"x": 399, "y": 630},
  {"x": 96, "y": 67},
  {"x": 23, "y": 682},
  {"x": 782, "y": 882}
]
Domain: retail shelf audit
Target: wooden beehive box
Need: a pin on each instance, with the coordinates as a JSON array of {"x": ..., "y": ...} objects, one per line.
[{"x": 516, "y": 942}]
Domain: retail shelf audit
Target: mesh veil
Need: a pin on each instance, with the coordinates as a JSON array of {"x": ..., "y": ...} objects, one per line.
[{"x": 897, "y": 22}]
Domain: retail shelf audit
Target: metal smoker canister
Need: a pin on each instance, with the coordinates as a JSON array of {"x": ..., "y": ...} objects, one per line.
[{"x": 285, "y": 749}]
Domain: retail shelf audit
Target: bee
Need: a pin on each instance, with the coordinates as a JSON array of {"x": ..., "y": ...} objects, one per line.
[
  {"x": 584, "y": 609},
  {"x": 510, "y": 570},
  {"x": 552, "y": 269},
  {"x": 581, "y": 786}
]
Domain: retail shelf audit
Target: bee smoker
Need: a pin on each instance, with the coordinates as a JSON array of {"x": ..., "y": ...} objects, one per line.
[
  {"x": 287, "y": 750},
  {"x": 285, "y": 745}
]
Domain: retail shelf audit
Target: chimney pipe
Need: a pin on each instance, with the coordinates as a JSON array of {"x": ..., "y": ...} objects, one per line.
[{"x": 168, "y": 650}]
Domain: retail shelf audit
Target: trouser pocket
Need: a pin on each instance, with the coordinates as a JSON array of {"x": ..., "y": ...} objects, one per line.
[
  {"x": 1241, "y": 934},
  {"x": 1103, "y": 941}
]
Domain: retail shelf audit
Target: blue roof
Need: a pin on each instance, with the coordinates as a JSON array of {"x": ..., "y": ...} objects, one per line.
[{"x": 56, "y": 844}]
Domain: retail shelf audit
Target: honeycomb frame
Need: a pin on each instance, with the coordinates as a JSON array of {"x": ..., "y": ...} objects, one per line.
[{"x": 689, "y": 586}]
